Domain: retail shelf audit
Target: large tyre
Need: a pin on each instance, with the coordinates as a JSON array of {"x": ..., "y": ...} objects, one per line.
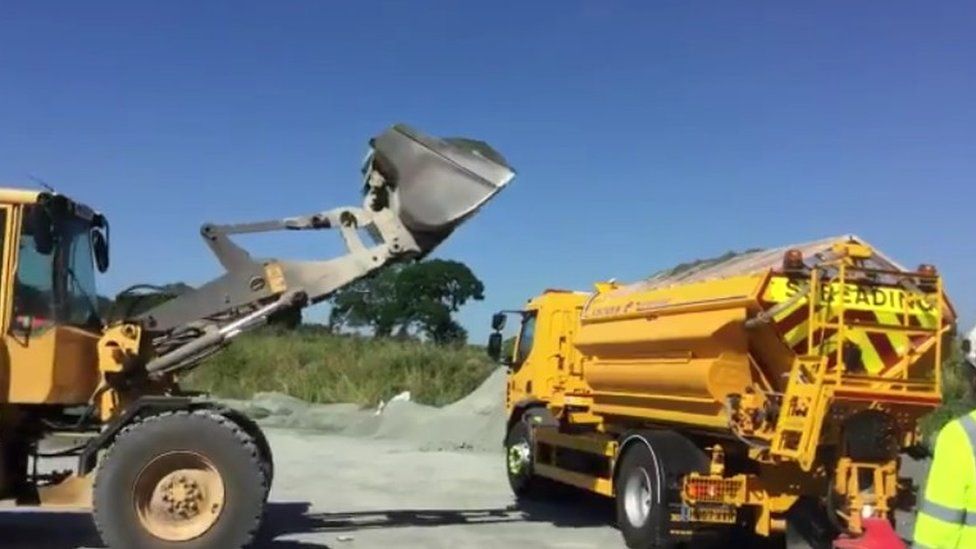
[
  {"x": 808, "y": 526},
  {"x": 180, "y": 480},
  {"x": 252, "y": 429},
  {"x": 518, "y": 463},
  {"x": 642, "y": 500}
]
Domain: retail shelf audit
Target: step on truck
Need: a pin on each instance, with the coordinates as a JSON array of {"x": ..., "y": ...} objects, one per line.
[{"x": 768, "y": 394}]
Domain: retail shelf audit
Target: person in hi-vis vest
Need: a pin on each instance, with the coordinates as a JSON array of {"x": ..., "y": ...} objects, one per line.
[{"x": 947, "y": 509}]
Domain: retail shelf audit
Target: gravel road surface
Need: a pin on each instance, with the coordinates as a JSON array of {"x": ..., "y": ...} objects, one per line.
[
  {"x": 343, "y": 492},
  {"x": 410, "y": 477}
]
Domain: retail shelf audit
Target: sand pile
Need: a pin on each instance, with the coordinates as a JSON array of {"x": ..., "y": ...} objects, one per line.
[{"x": 476, "y": 422}]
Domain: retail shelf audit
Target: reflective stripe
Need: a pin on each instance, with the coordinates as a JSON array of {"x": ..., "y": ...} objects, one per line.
[
  {"x": 945, "y": 513},
  {"x": 969, "y": 426}
]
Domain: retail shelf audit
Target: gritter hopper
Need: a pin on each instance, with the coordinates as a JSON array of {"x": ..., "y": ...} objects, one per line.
[{"x": 826, "y": 344}]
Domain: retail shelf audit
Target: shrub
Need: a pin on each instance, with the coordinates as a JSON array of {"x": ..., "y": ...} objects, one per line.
[{"x": 316, "y": 366}]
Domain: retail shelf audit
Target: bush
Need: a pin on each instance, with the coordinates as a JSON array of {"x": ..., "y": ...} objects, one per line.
[
  {"x": 316, "y": 366},
  {"x": 956, "y": 394}
]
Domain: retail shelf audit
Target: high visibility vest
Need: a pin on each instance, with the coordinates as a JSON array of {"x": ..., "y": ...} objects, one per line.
[{"x": 947, "y": 511}]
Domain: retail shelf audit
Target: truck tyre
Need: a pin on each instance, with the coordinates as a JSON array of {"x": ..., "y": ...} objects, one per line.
[
  {"x": 642, "y": 499},
  {"x": 180, "y": 480},
  {"x": 518, "y": 464},
  {"x": 808, "y": 526}
]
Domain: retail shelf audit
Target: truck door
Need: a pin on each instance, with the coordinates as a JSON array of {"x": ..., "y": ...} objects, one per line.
[{"x": 523, "y": 367}]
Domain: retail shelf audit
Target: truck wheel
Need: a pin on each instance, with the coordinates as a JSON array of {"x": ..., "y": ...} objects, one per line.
[
  {"x": 642, "y": 500},
  {"x": 518, "y": 463},
  {"x": 180, "y": 480}
]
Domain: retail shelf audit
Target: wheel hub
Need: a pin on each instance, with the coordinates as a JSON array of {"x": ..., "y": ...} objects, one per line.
[
  {"x": 638, "y": 497},
  {"x": 178, "y": 496},
  {"x": 519, "y": 457},
  {"x": 182, "y": 496}
]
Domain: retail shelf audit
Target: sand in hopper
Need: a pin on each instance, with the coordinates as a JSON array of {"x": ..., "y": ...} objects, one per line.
[{"x": 476, "y": 422}]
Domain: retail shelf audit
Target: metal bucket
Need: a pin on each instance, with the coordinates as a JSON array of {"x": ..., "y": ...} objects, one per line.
[{"x": 437, "y": 183}]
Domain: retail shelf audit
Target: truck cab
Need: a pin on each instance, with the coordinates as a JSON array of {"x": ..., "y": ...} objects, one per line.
[{"x": 544, "y": 366}]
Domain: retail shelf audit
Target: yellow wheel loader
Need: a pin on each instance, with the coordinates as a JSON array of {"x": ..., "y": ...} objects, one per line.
[{"x": 161, "y": 466}]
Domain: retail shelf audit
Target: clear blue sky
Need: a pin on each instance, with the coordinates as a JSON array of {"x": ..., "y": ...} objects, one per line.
[{"x": 645, "y": 133}]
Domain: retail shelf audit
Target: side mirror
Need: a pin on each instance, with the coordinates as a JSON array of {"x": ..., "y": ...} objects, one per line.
[
  {"x": 495, "y": 346},
  {"x": 100, "y": 250},
  {"x": 498, "y": 321},
  {"x": 967, "y": 346},
  {"x": 41, "y": 227}
]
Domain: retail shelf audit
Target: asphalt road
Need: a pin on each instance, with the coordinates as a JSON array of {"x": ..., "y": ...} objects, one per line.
[{"x": 339, "y": 492}]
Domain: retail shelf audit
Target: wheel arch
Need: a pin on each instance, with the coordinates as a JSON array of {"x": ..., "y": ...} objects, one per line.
[
  {"x": 674, "y": 454},
  {"x": 523, "y": 406}
]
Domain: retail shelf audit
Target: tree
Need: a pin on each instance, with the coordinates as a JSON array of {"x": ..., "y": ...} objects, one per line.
[{"x": 419, "y": 297}]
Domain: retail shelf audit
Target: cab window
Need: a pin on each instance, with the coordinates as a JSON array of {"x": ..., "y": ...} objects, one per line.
[
  {"x": 56, "y": 287},
  {"x": 33, "y": 284},
  {"x": 526, "y": 338}
]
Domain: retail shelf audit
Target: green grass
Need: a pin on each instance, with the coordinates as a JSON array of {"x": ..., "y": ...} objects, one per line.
[{"x": 315, "y": 366}]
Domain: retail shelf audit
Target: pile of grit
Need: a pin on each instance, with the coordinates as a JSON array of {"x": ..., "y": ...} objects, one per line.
[{"x": 476, "y": 422}]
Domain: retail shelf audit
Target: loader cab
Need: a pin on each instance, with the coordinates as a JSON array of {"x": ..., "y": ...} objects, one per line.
[{"x": 51, "y": 249}]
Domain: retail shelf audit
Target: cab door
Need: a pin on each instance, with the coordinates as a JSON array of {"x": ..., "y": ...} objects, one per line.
[{"x": 46, "y": 361}]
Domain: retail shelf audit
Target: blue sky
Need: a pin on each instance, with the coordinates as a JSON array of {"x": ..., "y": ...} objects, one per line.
[{"x": 644, "y": 133}]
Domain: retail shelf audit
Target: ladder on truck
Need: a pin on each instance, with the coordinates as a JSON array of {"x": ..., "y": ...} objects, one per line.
[{"x": 817, "y": 375}]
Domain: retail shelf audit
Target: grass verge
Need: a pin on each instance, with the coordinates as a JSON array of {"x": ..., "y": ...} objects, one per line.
[{"x": 319, "y": 367}]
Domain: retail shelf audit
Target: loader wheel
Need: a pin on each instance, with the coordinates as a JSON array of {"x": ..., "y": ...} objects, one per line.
[
  {"x": 642, "y": 500},
  {"x": 182, "y": 480},
  {"x": 518, "y": 464}
]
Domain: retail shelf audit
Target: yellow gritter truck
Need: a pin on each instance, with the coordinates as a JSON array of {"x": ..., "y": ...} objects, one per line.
[{"x": 768, "y": 394}]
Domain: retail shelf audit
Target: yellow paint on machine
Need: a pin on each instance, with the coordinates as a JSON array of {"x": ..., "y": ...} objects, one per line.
[{"x": 749, "y": 349}]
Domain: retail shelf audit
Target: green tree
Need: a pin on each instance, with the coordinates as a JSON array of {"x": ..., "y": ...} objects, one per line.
[{"x": 414, "y": 298}]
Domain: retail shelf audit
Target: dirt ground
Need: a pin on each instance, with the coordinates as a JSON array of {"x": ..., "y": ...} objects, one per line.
[
  {"x": 337, "y": 491},
  {"x": 342, "y": 492}
]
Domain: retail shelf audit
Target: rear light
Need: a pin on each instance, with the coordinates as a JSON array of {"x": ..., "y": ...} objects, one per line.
[
  {"x": 793, "y": 260},
  {"x": 710, "y": 489},
  {"x": 929, "y": 272}
]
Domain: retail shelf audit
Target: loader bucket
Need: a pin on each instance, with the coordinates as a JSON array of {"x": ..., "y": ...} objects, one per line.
[{"x": 437, "y": 183}]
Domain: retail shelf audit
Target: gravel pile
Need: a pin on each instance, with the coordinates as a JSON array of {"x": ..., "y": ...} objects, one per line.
[{"x": 476, "y": 422}]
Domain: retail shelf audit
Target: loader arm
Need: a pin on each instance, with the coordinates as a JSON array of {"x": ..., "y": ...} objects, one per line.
[{"x": 418, "y": 189}]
